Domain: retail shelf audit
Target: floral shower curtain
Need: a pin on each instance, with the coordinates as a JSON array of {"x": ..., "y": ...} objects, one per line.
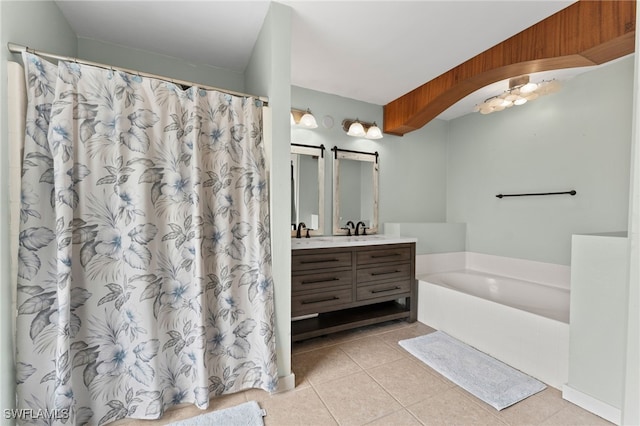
[{"x": 144, "y": 258}]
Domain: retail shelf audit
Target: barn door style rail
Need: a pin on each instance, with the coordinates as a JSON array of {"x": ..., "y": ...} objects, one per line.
[
  {"x": 572, "y": 193},
  {"x": 335, "y": 150}
]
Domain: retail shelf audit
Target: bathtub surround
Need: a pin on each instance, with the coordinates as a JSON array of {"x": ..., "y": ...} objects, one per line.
[
  {"x": 537, "y": 298},
  {"x": 534, "y": 344},
  {"x": 520, "y": 269},
  {"x": 492, "y": 381},
  {"x": 442, "y": 247},
  {"x": 440, "y": 262}
]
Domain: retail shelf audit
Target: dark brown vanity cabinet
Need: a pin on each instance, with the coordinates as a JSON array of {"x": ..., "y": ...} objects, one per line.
[{"x": 339, "y": 288}]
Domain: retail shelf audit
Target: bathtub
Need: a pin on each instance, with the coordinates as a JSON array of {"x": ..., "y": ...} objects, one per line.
[
  {"x": 522, "y": 323},
  {"x": 540, "y": 299}
]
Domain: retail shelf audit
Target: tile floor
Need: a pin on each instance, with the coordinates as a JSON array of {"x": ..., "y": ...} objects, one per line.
[{"x": 363, "y": 377}]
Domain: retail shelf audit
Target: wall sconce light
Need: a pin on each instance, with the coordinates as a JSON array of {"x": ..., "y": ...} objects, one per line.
[
  {"x": 361, "y": 129},
  {"x": 303, "y": 118},
  {"x": 520, "y": 91}
]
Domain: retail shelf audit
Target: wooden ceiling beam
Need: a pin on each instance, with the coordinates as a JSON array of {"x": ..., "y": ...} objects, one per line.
[{"x": 585, "y": 33}]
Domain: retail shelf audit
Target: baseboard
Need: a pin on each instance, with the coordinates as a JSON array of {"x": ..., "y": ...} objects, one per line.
[
  {"x": 286, "y": 383},
  {"x": 591, "y": 404}
]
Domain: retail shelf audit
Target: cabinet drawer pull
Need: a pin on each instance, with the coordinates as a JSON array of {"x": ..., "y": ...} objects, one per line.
[
  {"x": 378, "y": 256},
  {"x": 308, "y": 262},
  {"x": 374, "y": 274},
  {"x": 328, "y": 299},
  {"x": 384, "y": 290},
  {"x": 323, "y": 280}
]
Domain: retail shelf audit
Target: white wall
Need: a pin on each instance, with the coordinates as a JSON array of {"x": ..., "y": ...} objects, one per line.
[
  {"x": 578, "y": 138},
  {"x": 37, "y": 24}
]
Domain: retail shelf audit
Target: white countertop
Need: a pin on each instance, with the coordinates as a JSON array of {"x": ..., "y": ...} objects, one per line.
[{"x": 344, "y": 241}]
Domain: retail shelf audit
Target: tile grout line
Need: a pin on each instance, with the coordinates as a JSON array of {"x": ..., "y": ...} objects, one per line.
[
  {"x": 362, "y": 370},
  {"x": 478, "y": 403},
  {"x": 381, "y": 386},
  {"x": 323, "y": 402},
  {"x": 396, "y": 399}
]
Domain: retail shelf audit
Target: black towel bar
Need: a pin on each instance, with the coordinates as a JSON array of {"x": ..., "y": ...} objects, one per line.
[{"x": 572, "y": 192}]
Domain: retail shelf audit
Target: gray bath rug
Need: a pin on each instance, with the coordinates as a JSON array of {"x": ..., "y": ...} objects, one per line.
[
  {"x": 492, "y": 381},
  {"x": 246, "y": 414}
]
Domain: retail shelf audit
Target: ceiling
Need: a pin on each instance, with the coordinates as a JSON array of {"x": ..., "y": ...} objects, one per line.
[{"x": 372, "y": 51}]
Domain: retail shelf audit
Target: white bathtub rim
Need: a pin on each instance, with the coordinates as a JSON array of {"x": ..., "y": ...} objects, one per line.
[
  {"x": 425, "y": 277},
  {"x": 428, "y": 278},
  {"x": 521, "y": 269}
]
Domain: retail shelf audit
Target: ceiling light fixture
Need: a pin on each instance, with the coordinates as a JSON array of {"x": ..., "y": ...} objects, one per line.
[
  {"x": 303, "y": 118},
  {"x": 520, "y": 91},
  {"x": 361, "y": 129}
]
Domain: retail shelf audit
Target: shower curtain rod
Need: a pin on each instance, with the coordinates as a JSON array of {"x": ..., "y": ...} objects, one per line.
[{"x": 17, "y": 48}]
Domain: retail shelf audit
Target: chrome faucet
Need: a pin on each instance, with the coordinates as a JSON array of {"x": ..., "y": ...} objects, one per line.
[
  {"x": 300, "y": 226},
  {"x": 364, "y": 228}
]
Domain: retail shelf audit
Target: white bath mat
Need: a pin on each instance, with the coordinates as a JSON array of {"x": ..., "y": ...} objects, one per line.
[
  {"x": 246, "y": 414},
  {"x": 492, "y": 381}
]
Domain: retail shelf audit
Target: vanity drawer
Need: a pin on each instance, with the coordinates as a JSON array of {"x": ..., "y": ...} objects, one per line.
[
  {"x": 321, "y": 280},
  {"x": 387, "y": 272},
  {"x": 395, "y": 254},
  {"x": 320, "y": 302},
  {"x": 383, "y": 289},
  {"x": 306, "y": 262}
]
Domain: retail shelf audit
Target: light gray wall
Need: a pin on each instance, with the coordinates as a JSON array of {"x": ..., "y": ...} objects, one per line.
[
  {"x": 40, "y": 25},
  {"x": 412, "y": 168},
  {"x": 167, "y": 66},
  {"x": 578, "y": 138},
  {"x": 269, "y": 73},
  {"x": 630, "y": 407}
]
